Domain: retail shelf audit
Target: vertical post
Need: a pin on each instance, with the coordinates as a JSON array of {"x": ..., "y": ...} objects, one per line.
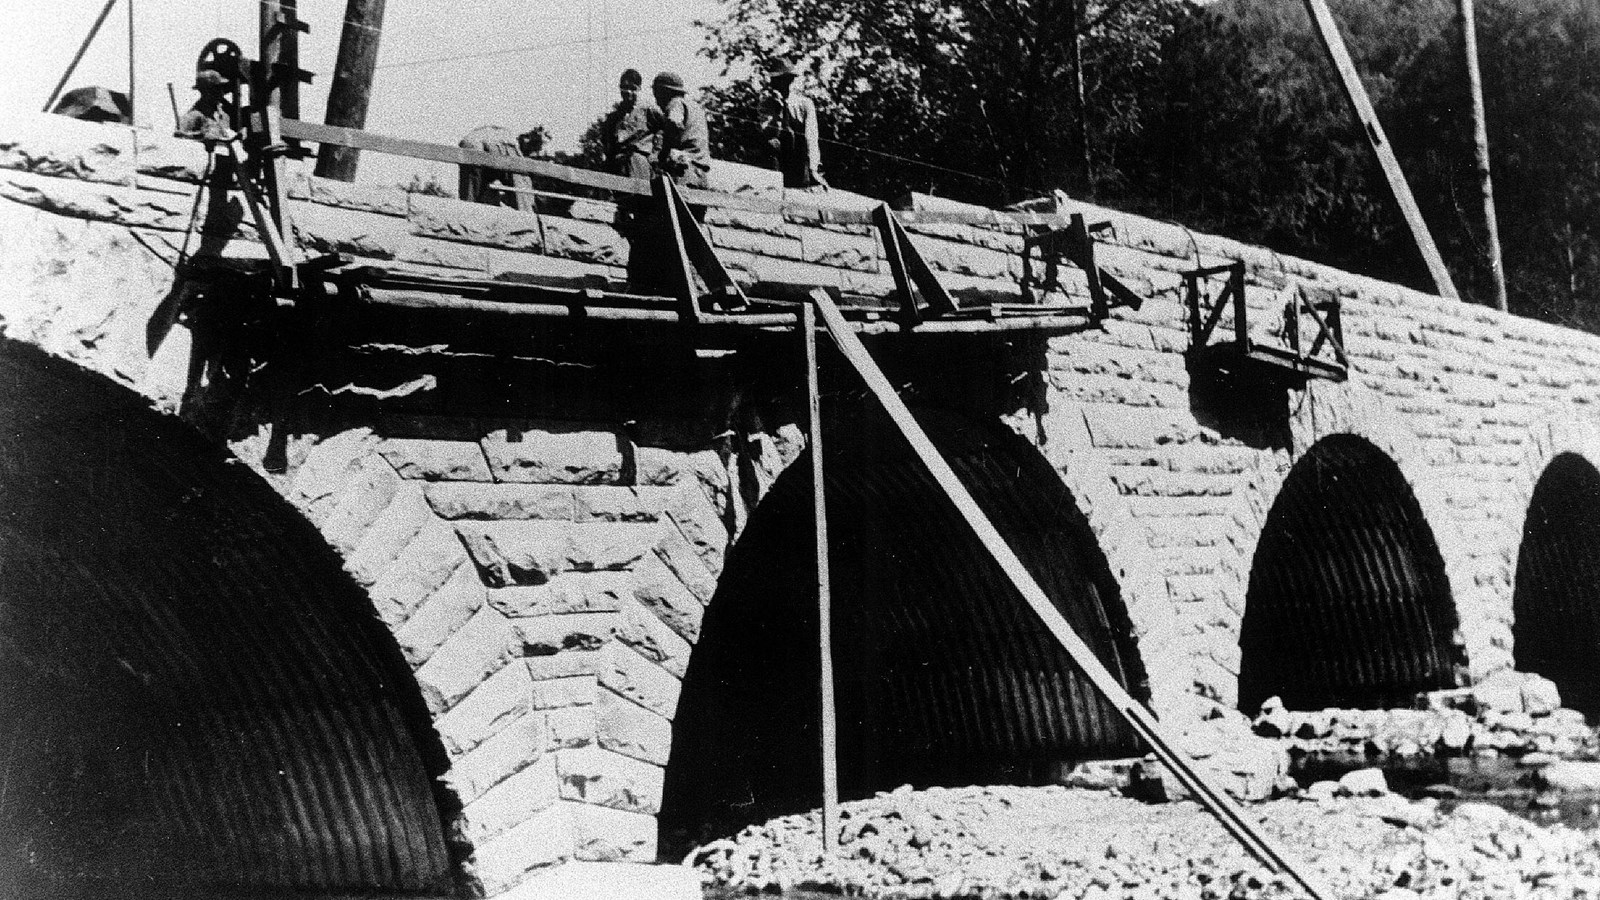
[
  {"x": 130, "y": 76},
  {"x": 829, "y": 729},
  {"x": 1241, "y": 311},
  {"x": 1328, "y": 32},
  {"x": 280, "y": 55},
  {"x": 1480, "y": 147},
  {"x": 351, "y": 88}
]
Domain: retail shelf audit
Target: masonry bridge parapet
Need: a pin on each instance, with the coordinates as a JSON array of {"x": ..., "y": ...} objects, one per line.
[{"x": 545, "y": 515}]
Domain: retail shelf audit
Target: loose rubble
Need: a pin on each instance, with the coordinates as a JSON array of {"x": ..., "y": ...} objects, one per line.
[{"x": 1092, "y": 839}]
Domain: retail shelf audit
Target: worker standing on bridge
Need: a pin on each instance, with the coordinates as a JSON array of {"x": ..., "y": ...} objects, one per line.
[
  {"x": 685, "y": 138},
  {"x": 789, "y": 120},
  {"x": 628, "y": 135},
  {"x": 479, "y": 184}
]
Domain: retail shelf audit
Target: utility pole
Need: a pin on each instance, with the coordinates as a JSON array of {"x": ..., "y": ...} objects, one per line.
[
  {"x": 1361, "y": 105},
  {"x": 352, "y": 84},
  {"x": 1480, "y": 146}
]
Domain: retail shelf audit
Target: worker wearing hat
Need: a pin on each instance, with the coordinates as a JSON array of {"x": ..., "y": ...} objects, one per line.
[
  {"x": 789, "y": 120},
  {"x": 685, "y": 139},
  {"x": 211, "y": 118}
]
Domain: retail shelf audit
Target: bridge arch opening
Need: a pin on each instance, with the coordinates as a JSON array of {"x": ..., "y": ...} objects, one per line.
[
  {"x": 1556, "y": 602},
  {"x": 943, "y": 674},
  {"x": 1348, "y": 604},
  {"x": 194, "y": 697}
]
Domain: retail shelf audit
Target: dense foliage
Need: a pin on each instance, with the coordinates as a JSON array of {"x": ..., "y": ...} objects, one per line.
[{"x": 1226, "y": 117}]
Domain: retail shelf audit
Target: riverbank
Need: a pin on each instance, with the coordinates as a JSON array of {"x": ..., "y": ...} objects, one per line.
[{"x": 1049, "y": 842}]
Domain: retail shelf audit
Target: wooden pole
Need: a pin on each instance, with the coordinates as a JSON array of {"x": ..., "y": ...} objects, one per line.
[
  {"x": 351, "y": 88},
  {"x": 1227, "y": 812},
  {"x": 131, "y": 76},
  {"x": 1480, "y": 147},
  {"x": 280, "y": 55},
  {"x": 78, "y": 57},
  {"x": 829, "y": 729},
  {"x": 1328, "y": 32}
]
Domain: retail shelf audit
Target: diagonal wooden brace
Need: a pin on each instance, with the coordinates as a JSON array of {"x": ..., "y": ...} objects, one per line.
[
  {"x": 695, "y": 255},
  {"x": 921, "y": 294}
]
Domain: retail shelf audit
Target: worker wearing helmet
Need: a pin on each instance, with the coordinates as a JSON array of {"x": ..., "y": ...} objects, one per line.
[{"x": 685, "y": 145}]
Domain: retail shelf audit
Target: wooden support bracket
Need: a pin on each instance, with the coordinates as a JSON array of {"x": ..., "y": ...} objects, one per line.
[
  {"x": 1074, "y": 243},
  {"x": 695, "y": 256},
  {"x": 921, "y": 294}
]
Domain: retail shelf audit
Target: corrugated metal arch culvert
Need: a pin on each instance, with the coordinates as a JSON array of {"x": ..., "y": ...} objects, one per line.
[
  {"x": 1556, "y": 630},
  {"x": 194, "y": 697},
  {"x": 944, "y": 675},
  {"x": 1348, "y": 604}
]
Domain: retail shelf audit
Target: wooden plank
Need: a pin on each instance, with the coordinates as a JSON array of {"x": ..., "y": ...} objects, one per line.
[
  {"x": 1360, "y": 104},
  {"x": 829, "y": 723},
  {"x": 1228, "y": 812}
]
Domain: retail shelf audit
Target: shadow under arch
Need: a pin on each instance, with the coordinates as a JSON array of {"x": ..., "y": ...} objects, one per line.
[
  {"x": 1556, "y": 629},
  {"x": 944, "y": 675},
  {"x": 1348, "y": 603},
  {"x": 195, "y": 699}
]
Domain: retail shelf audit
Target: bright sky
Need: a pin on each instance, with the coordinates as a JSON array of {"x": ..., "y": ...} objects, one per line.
[{"x": 524, "y": 62}]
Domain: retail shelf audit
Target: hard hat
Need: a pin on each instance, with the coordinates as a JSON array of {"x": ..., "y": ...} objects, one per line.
[{"x": 669, "y": 81}]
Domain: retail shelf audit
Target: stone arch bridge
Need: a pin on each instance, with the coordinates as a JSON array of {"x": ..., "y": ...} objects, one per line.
[{"x": 433, "y": 601}]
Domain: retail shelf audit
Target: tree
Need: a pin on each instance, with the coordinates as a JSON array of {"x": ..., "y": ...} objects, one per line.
[{"x": 969, "y": 99}]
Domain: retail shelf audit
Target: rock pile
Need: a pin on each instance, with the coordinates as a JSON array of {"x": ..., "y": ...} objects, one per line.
[
  {"x": 1057, "y": 842},
  {"x": 1508, "y": 713}
]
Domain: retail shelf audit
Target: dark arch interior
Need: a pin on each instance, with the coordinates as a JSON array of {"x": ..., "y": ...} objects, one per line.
[
  {"x": 194, "y": 698},
  {"x": 943, "y": 674},
  {"x": 1348, "y": 603},
  {"x": 1557, "y": 600}
]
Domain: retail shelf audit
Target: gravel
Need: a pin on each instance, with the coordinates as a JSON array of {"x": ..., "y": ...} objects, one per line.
[{"x": 1049, "y": 842}]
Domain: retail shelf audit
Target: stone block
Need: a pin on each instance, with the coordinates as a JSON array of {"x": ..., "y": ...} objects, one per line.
[
  {"x": 533, "y": 552},
  {"x": 422, "y": 251},
  {"x": 549, "y": 836},
  {"x": 589, "y": 242},
  {"x": 619, "y": 504},
  {"x": 478, "y": 649},
  {"x": 660, "y": 590},
  {"x": 394, "y": 528},
  {"x": 330, "y": 462},
  {"x": 552, "y": 453},
  {"x": 512, "y": 801},
  {"x": 572, "y": 592},
  {"x": 417, "y": 572},
  {"x": 651, "y": 638},
  {"x": 549, "y": 635},
  {"x": 844, "y": 251},
  {"x": 325, "y": 229},
  {"x": 496, "y": 502},
  {"x": 680, "y": 556},
  {"x": 441, "y": 614},
  {"x": 476, "y": 223},
  {"x": 602, "y": 778},
  {"x": 700, "y": 524},
  {"x": 605, "y": 834},
  {"x": 369, "y": 198},
  {"x": 660, "y": 466},
  {"x": 96, "y": 202},
  {"x": 62, "y": 148},
  {"x": 618, "y": 668},
  {"x": 631, "y": 730},
  {"x": 759, "y": 243},
  {"x": 502, "y": 697},
  {"x": 435, "y": 460}
]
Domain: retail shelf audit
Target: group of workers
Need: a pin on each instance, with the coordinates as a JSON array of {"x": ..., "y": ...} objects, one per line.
[{"x": 671, "y": 136}]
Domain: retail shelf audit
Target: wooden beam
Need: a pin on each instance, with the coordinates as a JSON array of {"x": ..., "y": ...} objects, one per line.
[
  {"x": 78, "y": 57},
  {"x": 830, "y": 724},
  {"x": 1361, "y": 105},
  {"x": 351, "y": 87},
  {"x": 1228, "y": 812},
  {"x": 1480, "y": 149}
]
